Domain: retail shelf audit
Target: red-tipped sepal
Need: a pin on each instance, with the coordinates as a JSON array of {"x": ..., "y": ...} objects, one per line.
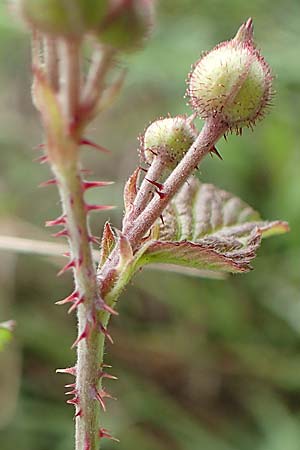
[
  {"x": 130, "y": 190},
  {"x": 125, "y": 249},
  {"x": 107, "y": 244}
]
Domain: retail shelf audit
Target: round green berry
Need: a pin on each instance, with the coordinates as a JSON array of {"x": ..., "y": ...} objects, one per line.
[
  {"x": 168, "y": 139},
  {"x": 232, "y": 82}
]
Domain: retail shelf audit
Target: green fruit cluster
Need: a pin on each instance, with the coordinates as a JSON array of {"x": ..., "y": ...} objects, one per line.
[{"x": 121, "y": 24}]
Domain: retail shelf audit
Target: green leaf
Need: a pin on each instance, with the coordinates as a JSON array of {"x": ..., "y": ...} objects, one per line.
[
  {"x": 6, "y": 329},
  {"x": 206, "y": 228}
]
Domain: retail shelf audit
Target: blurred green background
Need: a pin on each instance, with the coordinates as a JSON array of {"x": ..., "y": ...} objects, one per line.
[{"x": 202, "y": 364}]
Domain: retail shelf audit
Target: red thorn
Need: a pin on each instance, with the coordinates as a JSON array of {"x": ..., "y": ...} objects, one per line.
[
  {"x": 98, "y": 207},
  {"x": 105, "y": 394},
  {"x": 73, "y": 401},
  {"x": 68, "y": 370},
  {"x": 161, "y": 194},
  {"x": 101, "y": 305},
  {"x": 95, "y": 240},
  {"x": 94, "y": 184},
  {"x": 107, "y": 375},
  {"x": 106, "y": 333},
  {"x": 68, "y": 266},
  {"x": 59, "y": 221},
  {"x": 100, "y": 400},
  {"x": 110, "y": 310},
  {"x": 104, "y": 433},
  {"x": 41, "y": 159},
  {"x": 76, "y": 304},
  {"x": 70, "y": 385},
  {"x": 78, "y": 414},
  {"x": 158, "y": 185},
  {"x": 74, "y": 391},
  {"x": 213, "y": 150},
  {"x": 48, "y": 182},
  {"x": 62, "y": 233},
  {"x": 83, "y": 335},
  {"x": 142, "y": 168},
  {"x": 101, "y": 395},
  {"x": 94, "y": 145},
  {"x": 69, "y": 299},
  {"x": 67, "y": 254}
]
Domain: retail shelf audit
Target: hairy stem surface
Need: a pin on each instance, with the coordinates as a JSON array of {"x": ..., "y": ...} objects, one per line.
[
  {"x": 89, "y": 349},
  {"x": 209, "y": 135},
  {"x": 65, "y": 114}
]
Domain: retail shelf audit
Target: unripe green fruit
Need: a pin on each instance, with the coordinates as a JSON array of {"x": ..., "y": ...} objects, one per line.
[
  {"x": 232, "y": 82},
  {"x": 168, "y": 139},
  {"x": 63, "y": 17},
  {"x": 127, "y": 24}
]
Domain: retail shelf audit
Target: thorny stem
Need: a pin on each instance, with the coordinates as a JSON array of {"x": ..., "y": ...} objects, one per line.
[
  {"x": 209, "y": 135},
  {"x": 146, "y": 190},
  {"x": 64, "y": 79},
  {"x": 89, "y": 350}
]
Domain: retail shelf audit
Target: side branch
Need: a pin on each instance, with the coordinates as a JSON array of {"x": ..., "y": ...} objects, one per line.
[{"x": 209, "y": 135}]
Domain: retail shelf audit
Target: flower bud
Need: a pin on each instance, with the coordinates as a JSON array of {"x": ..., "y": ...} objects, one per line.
[
  {"x": 168, "y": 139},
  {"x": 63, "y": 17},
  {"x": 232, "y": 82},
  {"x": 127, "y": 24}
]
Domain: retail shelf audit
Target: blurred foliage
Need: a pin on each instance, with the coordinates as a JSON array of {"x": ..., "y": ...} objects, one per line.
[
  {"x": 202, "y": 364},
  {"x": 5, "y": 337}
]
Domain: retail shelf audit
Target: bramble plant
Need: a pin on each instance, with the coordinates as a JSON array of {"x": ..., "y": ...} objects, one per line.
[{"x": 170, "y": 216}]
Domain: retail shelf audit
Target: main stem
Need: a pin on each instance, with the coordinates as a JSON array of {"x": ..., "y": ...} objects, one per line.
[
  {"x": 63, "y": 128},
  {"x": 89, "y": 349}
]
